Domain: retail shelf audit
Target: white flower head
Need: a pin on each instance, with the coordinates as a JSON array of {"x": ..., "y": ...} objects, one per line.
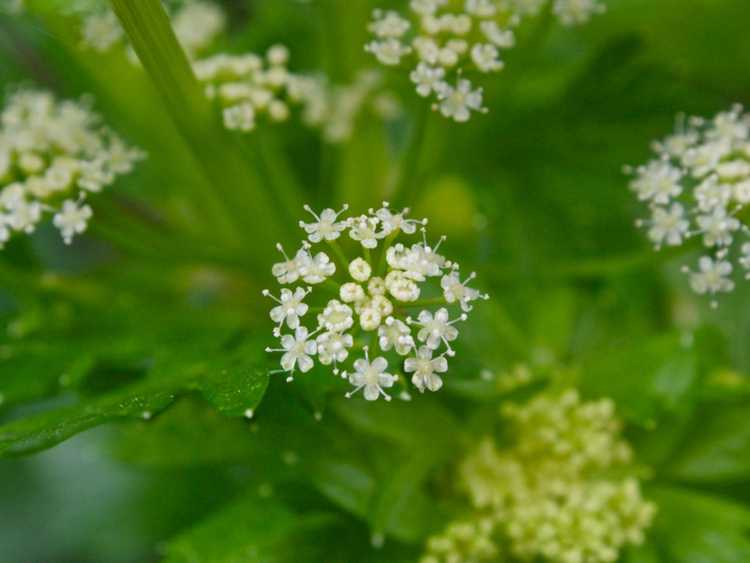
[
  {"x": 456, "y": 290},
  {"x": 458, "y": 102},
  {"x": 374, "y": 296},
  {"x": 395, "y": 334},
  {"x": 53, "y": 154},
  {"x": 438, "y": 329},
  {"x": 336, "y": 317},
  {"x": 318, "y": 268},
  {"x": 297, "y": 351},
  {"x": 290, "y": 307},
  {"x": 426, "y": 369},
  {"x": 326, "y": 225},
  {"x": 371, "y": 377},
  {"x": 443, "y": 42},
  {"x": 72, "y": 219},
  {"x": 364, "y": 229},
  {"x": 699, "y": 186},
  {"x": 360, "y": 270}
]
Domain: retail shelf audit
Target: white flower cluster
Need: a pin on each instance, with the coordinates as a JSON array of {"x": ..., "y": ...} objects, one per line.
[
  {"x": 444, "y": 40},
  {"x": 335, "y": 108},
  {"x": 699, "y": 186},
  {"x": 561, "y": 491},
  {"x": 374, "y": 296},
  {"x": 247, "y": 86},
  {"x": 52, "y": 155},
  {"x": 196, "y": 24},
  {"x": 464, "y": 541}
]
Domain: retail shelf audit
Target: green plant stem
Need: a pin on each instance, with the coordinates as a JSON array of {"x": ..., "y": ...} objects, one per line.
[
  {"x": 339, "y": 253},
  {"x": 408, "y": 170},
  {"x": 237, "y": 194}
]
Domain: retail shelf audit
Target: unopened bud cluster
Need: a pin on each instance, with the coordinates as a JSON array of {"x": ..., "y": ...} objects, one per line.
[
  {"x": 382, "y": 313},
  {"x": 552, "y": 495},
  {"x": 53, "y": 155},
  {"x": 446, "y": 39}
]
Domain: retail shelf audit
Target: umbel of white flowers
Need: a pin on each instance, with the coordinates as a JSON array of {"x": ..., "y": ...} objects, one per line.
[
  {"x": 382, "y": 312},
  {"x": 53, "y": 155},
  {"x": 698, "y": 185},
  {"x": 562, "y": 490},
  {"x": 443, "y": 40},
  {"x": 250, "y": 87}
]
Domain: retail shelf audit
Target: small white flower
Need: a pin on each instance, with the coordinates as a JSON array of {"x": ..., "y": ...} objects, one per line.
[
  {"x": 503, "y": 38},
  {"x": 101, "y": 31},
  {"x": 438, "y": 328},
  {"x": 289, "y": 309},
  {"x": 388, "y": 51},
  {"x": 658, "y": 181},
  {"x": 455, "y": 290},
  {"x": 369, "y": 318},
  {"x": 717, "y": 227},
  {"x": 481, "y": 8},
  {"x": 351, "y": 293},
  {"x": 745, "y": 259},
  {"x": 381, "y": 304},
  {"x": 333, "y": 348},
  {"x": 426, "y": 369},
  {"x": 240, "y": 117},
  {"x": 401, "y": 287},
  {"x": 25, "y": 216},
  {"x": 317, "y": 269},
  {"x": 426, "y": 7},
  {"x": 360, "y": 270},
  {"x": 573, "y": 12},
  {"x": 392, "y": 222},
  {"x": 711, "y": 194},
  {"x": 371, "y": 377},
  {"x": 713, "y": 276},
  {"x": 458, "y": 103},
  {"x": 668, "y": 225},
  {"x": 427, "y": 78},
  {"x": 290, "y": 270},
  {"x": 486, "y": 57},
  {"x": 72, "y": 219},
  {"x": 364, "y": 230},
  {"x": 376, "y": 286},
  {"x": 326, "y": 226},
  {"x": 703, "y": 159},
  {"x": 388, "y": 24},
  {"x": 297, "y": 350},
  {"x": 278, "y": 55},
  {"x": 336, "y": 317},
  {"x": 395, "y": 334}
]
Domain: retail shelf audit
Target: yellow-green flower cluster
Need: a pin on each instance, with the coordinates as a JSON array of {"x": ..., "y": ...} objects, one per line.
[
  {"x": 553, "y": 493},
  {"x": 462, "y": 541}
]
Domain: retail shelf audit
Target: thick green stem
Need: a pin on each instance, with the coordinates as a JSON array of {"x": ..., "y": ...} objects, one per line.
[{"x": 237, "y": 194}]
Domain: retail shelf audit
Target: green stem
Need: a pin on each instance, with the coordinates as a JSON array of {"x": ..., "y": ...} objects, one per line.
[
  {"x": 340, "y": 256},
  {"x": 410, "y": 160}
]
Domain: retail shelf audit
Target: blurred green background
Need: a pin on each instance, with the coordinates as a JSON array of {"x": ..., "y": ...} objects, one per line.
[{"x": 531, "y": 195}]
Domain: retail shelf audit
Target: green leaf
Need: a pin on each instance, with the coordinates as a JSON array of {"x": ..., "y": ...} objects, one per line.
[
  {"x": 251, "y": 530},
  {"x": 646, "y": 379},
  {"x": 232, "y": 381},
  {"x": 694, "y": 527},
  {"x": 718, "y": 447}
]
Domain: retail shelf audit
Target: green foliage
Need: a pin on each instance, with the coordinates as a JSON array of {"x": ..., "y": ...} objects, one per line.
[{"x": 153, "y": 327}]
